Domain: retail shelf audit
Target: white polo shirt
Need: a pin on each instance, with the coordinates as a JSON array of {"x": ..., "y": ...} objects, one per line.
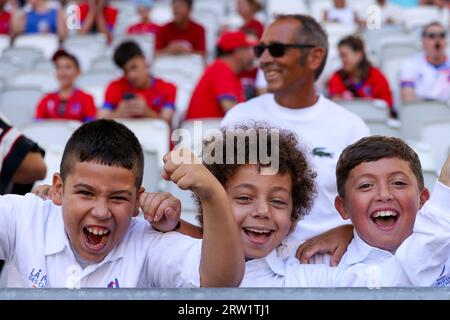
[
  {"x": 35, "y": 245},
  {"x": 325, "y": 129},
  {"x": 429, "y": 82},
  {"x": 417, "y": 262}
]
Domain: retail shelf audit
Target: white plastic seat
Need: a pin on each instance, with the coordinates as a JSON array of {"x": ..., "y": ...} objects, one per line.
[
  {"x": 436, "y": 133},
  {"x": 86, "y": 48},
  {"x": 23, "y": 57},
  {"x": 161, "y": 14},
  {"x": 286, "y": 7},
  {"x": 44, "y": 80},
  {"x": 383, "y": 128},
  {"x": 317, "y": 8},
  {"x": 4, "y": 42},
  {"x": 95, "y": 83},
  {"x": 413, "y": 115},
  {"x": 425, "y": 153},
  {"x": 19, "y": 104},
  {"x": 367, "y": 109},
  {"x": 51, "y": 133},
  {"x": 154, "y": 135},
  {"x": 419, "y": 16},
  {"x": 47, "y": 43},
  {"x": 45, "y": 66}
]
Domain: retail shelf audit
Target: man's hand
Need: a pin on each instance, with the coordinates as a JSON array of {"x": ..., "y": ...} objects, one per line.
[
  {"x": 44, "y": 191},
  {"x": 179, "y": 47},
  {"x": 334, "y": 242},
  {"x": 187, "y": 172},
  {"x": 162, "y": 210},
  {"x": 445, "y": 173},
  {"x": 137, "y": 107}
]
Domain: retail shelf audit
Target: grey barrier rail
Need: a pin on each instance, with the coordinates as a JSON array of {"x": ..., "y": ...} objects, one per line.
[{"x": 229, "y": 294}]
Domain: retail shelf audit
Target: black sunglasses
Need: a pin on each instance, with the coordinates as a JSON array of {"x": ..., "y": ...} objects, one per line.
[
  {"x": 433, "y": 35},
  {"x": 276, "y": 49}
]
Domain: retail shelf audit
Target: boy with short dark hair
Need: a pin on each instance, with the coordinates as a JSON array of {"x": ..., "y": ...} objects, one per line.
[
  {"x": 87, "y": 236},
  {"x": 137, "y": 94}
]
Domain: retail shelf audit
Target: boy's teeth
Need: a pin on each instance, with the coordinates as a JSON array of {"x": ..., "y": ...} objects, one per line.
[
  {"x": 97, "y": 231},
  {"x": 385, "y": 214},
  {"x": 258, "y": 230}
]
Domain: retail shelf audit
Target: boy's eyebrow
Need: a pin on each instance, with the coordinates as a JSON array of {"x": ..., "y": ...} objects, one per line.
[
  {"x": 250, "y": 186},
  {"x": 371, "y": 175},
  {"x": 122, "y": 191},
  {"x": 83, "y": 185}
]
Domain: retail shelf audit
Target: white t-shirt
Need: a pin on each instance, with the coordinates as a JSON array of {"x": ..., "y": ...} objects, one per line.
[
  {"x": 325, "y": 129},
  {"x": 344, "y": 15},
  {"x": 34, "y": 243},
  {"x": 417, "y": 262},
  {"x": 429, "y": 82}
]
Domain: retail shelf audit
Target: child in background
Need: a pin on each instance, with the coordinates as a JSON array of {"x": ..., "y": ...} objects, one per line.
[
  {"x": 145, "y": 25},
  {"x": 69, "y": 102},
  {"x": 86, "y": 235}
]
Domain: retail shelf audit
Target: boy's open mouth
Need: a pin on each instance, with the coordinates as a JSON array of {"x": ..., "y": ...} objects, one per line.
[
  {"x": 258, "y": 235},
  {"x": 385, "y": 219},
  {"x": 96, "y": 237}
]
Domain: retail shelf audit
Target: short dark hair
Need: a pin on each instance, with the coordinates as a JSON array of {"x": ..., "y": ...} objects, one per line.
[
  {"x": 64, "y": 54},
  {"x": 190, "y": 3},
  {"x": 374, "y": 148},
  {"x": 310, "y": 32},
  {"x": 292, "y": 161},
  {"x": 105, "y": 142},
  {"x": 126, "y": 51},
  {"x": 429, "y": 25}
]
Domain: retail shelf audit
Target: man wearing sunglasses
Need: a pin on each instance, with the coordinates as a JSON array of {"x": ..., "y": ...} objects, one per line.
[
  {"x": 292, "y": 54},
  {"x": 426, "y": 76}
]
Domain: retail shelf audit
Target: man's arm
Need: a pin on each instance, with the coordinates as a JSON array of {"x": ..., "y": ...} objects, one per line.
[
  {"x": 220, "y": 232},
  {"x": 408, "y": 94},
  {"x": 227, "y": 104},
  {"x": 31, "y": 169}
]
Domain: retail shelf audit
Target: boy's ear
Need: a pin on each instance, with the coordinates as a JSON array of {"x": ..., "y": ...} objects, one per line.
[
  {"x": 424, "y": 196},
  {"x": 57, "y": 189},
  {"x": 137, "y": 205},
  {"x": 339, "y": 204}
]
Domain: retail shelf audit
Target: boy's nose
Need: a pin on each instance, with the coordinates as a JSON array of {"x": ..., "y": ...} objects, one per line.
[
  {"x": 262, "y": 209},
  {"x": 101, "y": 211},
  {"x": 384, "y": 194}
]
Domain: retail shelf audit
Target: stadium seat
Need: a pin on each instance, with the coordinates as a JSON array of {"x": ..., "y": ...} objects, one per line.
[
  {"x": 419, "y": 16},
  {"x": 436, "y": 133},
  {"x": 154, "y": 135},
  {"x": 367, "y": 109},
  {"x": 96, "y": 82},
  {"x": 23, "y": 57},
  {"x": 8, "y": 70},
  {"x": 146, "y": 42},
  {"x": 47, "y": 43},
  {"x": 19, "y": 104},
  {"x": 383, "y": 128},
  {"x": 50, "y": 133},
  {"x": 86, "y": 48},
  {"x": 425, "y": 153},
  {"x": 44, "y": 66},
  {"x": 44, "y": 80},
  {"x": 4, "y": 42},
  {"x": 285, "y": 7},
  {"x": 161, "y": 14},
  {"x": 413, "y": 115},
  {"x": 317, "y": 8},
  {"x": 103, "y": 64}
]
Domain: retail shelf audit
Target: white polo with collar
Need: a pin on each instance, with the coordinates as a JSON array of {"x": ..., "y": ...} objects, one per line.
[
  {"x": 417, "y": 262},
  {"x": 34, "y": 243}
]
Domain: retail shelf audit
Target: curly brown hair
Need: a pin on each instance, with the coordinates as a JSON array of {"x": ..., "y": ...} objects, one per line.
[{"x": 291, "y": 160}]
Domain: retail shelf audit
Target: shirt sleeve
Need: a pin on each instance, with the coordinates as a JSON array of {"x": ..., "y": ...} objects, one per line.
[
  {"x": 112, "y": 97},
  {"x": 170, "y": 96},
  {"x": 13, "y": 149},
  {"x": 174, "y": 261},
  {"x": 41, "y": 110},
  {"x": 90, "y": 110},
  {"x": 382, "y": 90},
  {"x": 222, "y": 83}
]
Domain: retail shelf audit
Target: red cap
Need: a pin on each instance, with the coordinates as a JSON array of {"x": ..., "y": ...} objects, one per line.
[{"x": 230, "y": 41}]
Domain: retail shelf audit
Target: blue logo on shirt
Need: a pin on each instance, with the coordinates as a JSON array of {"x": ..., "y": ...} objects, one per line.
[
  {"x": 34, "y": 278},
  {"x": 114, "y": 284}
]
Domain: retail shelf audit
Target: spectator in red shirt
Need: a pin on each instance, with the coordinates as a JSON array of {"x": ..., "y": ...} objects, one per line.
[
  {"x": 5, "y": 19},
  {"x": 97, "y": 16},
  {"x": 145, "y": 25},
  {"x": 220, "y": 87},
  {"x": 247, "y": 10},
  {"x": 358, "y": 78},
  {"x": 182, "y": 35},
  {"x": 137, "y": 94},
  {"x": 69, "y": 102}
]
